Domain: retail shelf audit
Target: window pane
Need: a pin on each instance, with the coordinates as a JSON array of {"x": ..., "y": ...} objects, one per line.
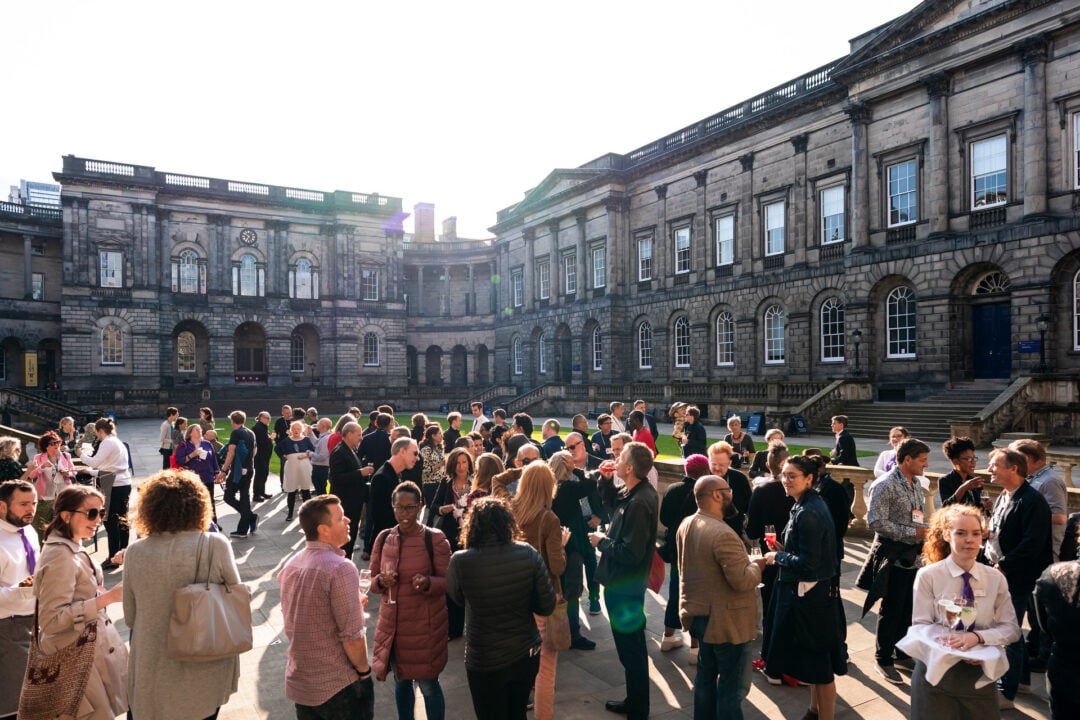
[
  {"x": 541, "y": 354},
  {"x": 517, "y": 289},
  {"x": 296, "y": 356},
  {"x": 725, "y": 240},
  {"x": 597, "y": 350},
  {"x": 832, "y": 330},
  {"x": 682, "y": 250},
  {"x": 111, "y": 269},
  {"x": 371, "y": 349},
  {"x": 725, "y": 339},
  {"x": 369, "y": 284},
  {"x": 901, "y": 323},
  {"x": 185, "y": 352},
  {"x": 302, "y": 280},
  {"x": 189, "y": 272},
  {"x": 988, "y": 172},
  {"x": 543, "y": 276},
  {"x": 645, "y": 258},
  {"x": 903, "y": 193},
  {"x": 517, "y": 356},
  {"x": 570, "y": 273},
  {"x": 682, "y": 342},
  {"x": 249, "y": 277},
  {"x": 37, "y": 286},
  {"x": 112, "y": 345},
  {"x": 774, "y": 335},
  {"x": 774, "y": 228},
  {"x": 599, "y": 267},
  {"x": 645, "y": 346},
  {"x": 832, "y": 215}
]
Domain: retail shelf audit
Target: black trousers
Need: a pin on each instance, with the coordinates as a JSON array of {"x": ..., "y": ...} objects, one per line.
[
  {"x": 353, "y": 507},
  {"x": 503, "y": 694},
  {"x": 238, "y": 497},
  {"x": 626, "y": 610},
  {"x": 116, "y": 527},
  {"x": 894, "y": 618},
  {"x": 262, "y": 472}
]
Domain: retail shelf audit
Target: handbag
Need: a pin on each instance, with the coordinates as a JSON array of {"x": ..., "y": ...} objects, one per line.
[
  {"x": 54, "y": 685},
  {"x": 210, "y": 621},
  {"x": 557, "y": 628},
  {"x": 656, "y": 572}
]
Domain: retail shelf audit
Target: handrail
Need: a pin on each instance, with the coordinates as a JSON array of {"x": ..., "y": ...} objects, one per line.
[
  {"x": 1001, "y": 413},
  {"x": 45, "y": 408},
  {"x": 44, "y": 213}
]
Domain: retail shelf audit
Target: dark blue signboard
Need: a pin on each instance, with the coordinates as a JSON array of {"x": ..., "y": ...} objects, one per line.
[{"x": 1029, "y": 346}]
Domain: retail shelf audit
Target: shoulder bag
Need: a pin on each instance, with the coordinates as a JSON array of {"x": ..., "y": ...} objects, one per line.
[{"x": 210, "y": 621}]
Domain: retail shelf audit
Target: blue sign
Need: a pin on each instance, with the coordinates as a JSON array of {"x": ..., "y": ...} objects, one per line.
[{"x": 1029, "y": 346}]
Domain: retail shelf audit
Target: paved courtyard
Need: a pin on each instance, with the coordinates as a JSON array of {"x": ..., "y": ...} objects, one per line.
[{"x": 585, "y": 679}]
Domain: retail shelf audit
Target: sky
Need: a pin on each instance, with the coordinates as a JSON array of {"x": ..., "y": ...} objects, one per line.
[{"x": 463, "y": 104}]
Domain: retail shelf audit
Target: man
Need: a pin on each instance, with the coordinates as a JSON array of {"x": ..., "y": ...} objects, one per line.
[
  {"x": 404, "y": 454},
  {"x": 499, "y": 416},
  {"x": 616, "y": 409},
  {"x": 476, "y": 444},
  {"x": 720, "y": 459},
  {"x": 328, "y": 674},
  {"x": 897, "y": 517},
  {"x": 281, "y": 431},
  {"x": 320, "y": 459},
  {"x": 453, "y": 432},
  {"x": 625, "y": 559},
  {"x": 211, "y": 437},
  {"x": 640, "y": 433},
  {"x": 552, "y": 443},
  {"x": 592, "y": 508},
  {"x": 519, "y": 453},
  {"x": 374, "y": 451},
  {"x": 264, "y": 446},
  {"x": 311, "y": 417},
  {"x": 349, "y": 479},
  {"x": 1050, "y": 482},
  {"x": 479, "y": 418},
  {"x": 717, "y": 602},
  {"x": 694, "y": 440},
  {"x": 165, "y": 444},
  {"x": 1019, "y": 546},
  {"x": 844, "y": 452},
  {"x": 485, "y": 434},
  {"x": 650, "y": 419},
  {"x": 240, "y": 462},
  {"x": 601, "y": 439},
  {"x": 18, "y": 559}
]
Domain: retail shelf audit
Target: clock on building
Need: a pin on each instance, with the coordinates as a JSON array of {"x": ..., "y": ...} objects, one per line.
[{"x": 248, "y": 236}]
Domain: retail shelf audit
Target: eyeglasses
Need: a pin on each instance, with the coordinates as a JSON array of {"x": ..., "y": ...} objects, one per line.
[
  {"x": 416, "y": 453},
  {"x": 405, "y": 508},
  {"x": 91, "y": 514},
  {"x": 575, "y": 446},
  {"x": 966, "y": 459}
]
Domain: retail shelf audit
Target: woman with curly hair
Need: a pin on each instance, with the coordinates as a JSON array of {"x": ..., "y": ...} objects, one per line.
[
  {"x": 172, "y": 513},
  {"x": 10, "y": 469},
  {"x": 431, "y": 453}
]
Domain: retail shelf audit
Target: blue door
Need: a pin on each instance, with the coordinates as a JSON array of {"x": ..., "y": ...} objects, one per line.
[{"x": 992, "y": 331}]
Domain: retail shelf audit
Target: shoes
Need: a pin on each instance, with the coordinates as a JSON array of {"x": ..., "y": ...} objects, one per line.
[
  {"x": 237, "y": 535},
  {"x": 288, "y": 518},
  {"x": 693, "y": 656},
  {"x": 772, "y": 680},
  {"x": 1005, "y": 703},
  {"x": 758, "y": 664},
  {"x": 582, "y": 643},
  {"x": 671, "y": 642},
  {"x": 616, "y": 706},
  {"x": 254, "y": 522},
  {"x": 1024, "y": 688},
  {"x": 889, "y": 673},
  {"x": 110, "y": 565},
  {"x": 594, "y": 606},
  {"x": 811, "y": 714},
  {"x": 364, "y": 556}
]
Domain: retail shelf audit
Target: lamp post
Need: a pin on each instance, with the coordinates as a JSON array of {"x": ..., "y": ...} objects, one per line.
[
  {"x": 1042, "y": 323},
  {"x": 311, "y": 365},
  {"x": 856, "y": 337}
]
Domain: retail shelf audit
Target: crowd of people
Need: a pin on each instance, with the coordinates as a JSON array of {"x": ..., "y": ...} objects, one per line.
[{"x": 500, "y": 538}]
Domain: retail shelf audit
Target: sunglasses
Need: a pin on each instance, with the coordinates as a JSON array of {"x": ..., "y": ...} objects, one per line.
[
  {"x": 573, "y": 447},
  {"x": 92, "y": 513}
]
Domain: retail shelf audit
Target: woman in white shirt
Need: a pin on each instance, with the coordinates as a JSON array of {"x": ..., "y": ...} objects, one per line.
[
  {"x": 951, "y": 550},
  {"x": 114, "y": 479}
]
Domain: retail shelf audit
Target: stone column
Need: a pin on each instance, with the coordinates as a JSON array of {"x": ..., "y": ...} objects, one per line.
[
  {"x": 528, "y": 235},
  {"x": 661, "y": 242},
  {"x": 799, "y": 223},
  {"x": 1033, "y": 52},
  {"x": 937, "y": 186},
  {"x": 582, "y": 261},
  {"x": 860, "y": 116},
  {"x": 748, "y": 239},
  {"x": 555, "y": 267},
  {"x": 619, "y": 250},
  {"x": 28, "y": 272}
]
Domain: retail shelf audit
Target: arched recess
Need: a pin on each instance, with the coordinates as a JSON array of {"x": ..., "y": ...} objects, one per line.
[
  {"x": 980, "y": 323},
  {"x": 11, "y": 362},
  {"x": 48, "y": 358},
  {"x": 564, "y": 354},
  {"x": 249, "y": 354},
  {"x": 433, "y": 366},
  {"x": 459, "y": 366},
  {"x": 190, "y": 352},
  {"x": 412, "y": 369},
  {"x": 304, "y": 365},
  {"x": 482, "y": 362}
]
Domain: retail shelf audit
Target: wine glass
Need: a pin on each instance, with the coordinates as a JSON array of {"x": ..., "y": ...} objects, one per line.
[
  {"x": 389, "y": 567},
  {"x": 365, "y": 581},
  {"x": 948, "y": 615},
  {"x": 966, "y": 619},
  {"x": 770, "y": 535},
  {"x": 755, "y": 554}
]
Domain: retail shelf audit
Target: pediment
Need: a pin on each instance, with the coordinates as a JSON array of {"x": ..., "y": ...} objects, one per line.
[{"x": 559, "y": 181}]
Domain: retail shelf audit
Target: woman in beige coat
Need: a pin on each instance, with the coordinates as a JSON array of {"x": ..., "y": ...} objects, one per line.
[{"x": 70, "y": 593}]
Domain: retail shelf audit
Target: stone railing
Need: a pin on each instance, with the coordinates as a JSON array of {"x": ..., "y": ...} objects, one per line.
[
  {"x": 41, "y": 214},
  {"x": 997, "y": 417},
  {"x": 47, "y": 410}
]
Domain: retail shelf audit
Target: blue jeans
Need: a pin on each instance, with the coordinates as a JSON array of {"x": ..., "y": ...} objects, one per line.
[
  {"x": 1016, "y": 653},
  {"x": 723, "y": 677},
  {"x": 434, "y": 703}
]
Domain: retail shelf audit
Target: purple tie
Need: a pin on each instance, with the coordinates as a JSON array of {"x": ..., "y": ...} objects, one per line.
[
  {"x": 967, "y": 594},
  {"x": 31, "y": 556}
]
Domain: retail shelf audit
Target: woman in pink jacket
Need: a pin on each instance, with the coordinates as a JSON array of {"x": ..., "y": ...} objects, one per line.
[
  {"x": 51, "y": 471},
  {"x": 408, "y": 564}
]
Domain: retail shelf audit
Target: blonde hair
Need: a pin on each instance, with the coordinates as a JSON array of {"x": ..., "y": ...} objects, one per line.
[
  {"x": 562, "y": 465},
  {"x": 535, "y": 490},
  {"x": 9, "y": 448}
]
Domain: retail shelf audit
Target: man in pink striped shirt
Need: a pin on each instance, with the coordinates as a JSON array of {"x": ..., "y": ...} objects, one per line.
[{"x": 327, "y": 674}]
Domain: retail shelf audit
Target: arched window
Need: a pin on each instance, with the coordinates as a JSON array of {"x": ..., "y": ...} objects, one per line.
[
  {"x": 303, "y": 281},
  {"x": 188, "y": 275},
  {"x": 541, "y": 354},
  {"x": 597, "y": 350},
  {"x": 774, "y": 335},
  {"x": 516, "y": 352},
  {"x": 725, "y": 339},
  {"x": 832, "y": 330},
  {"x": 185, "y": 352},
  {"x": 112, "y": 345},
  {"x": 296, "y": 353},
  {"x": 682, "y": 343},
  {"x": 371, "y": 350},
  {"x": 644, "y": 337},
  {"x": 246, "y": 277},
  {"x": 900, "y": 318}
]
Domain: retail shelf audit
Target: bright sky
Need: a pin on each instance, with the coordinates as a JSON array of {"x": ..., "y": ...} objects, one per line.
[{"x": 463, "y": 104}]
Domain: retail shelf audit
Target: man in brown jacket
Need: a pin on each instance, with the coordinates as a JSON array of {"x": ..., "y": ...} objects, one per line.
[{"x": 717, "y": 603}]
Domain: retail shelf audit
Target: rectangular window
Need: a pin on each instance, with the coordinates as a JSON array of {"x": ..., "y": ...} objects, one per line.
[
  {"x": 682, "y": 250},
  {"x": 37, "y": 286},
  {"x": 1076, "y": 150},
  {"x": 645, "y": 258},
  {"x": 599, "y": 267},
  {"x": 543, "y": 278},
  {"x": 570, "y": 273},
  {"x": 903, "y": 193},
  {"x": 774, "y": 228},
  {"x": 988, "y": 172},
  {"x": 112, "y": 269},
  {"x": 517, "y": 288},
  {"x": 369, "y": 284},
  {"x": 725, "y": 240},
  {"x": 371, "y": 350},
  {"x": 832, "y": 215}
]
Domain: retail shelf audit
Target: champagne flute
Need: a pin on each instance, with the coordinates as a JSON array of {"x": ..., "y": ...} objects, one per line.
[
  {"x": 365, "y": 581},
  {"x": 389, "y": 567},
  {"x": 770, "y": 535},
  {"x": 755, "y": 554}
]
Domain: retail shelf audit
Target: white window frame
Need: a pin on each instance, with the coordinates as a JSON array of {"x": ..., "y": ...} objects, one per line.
[
  {"x": 1076, "y": 150},
  {"x": 774, "y": 226},
  {"x": 515, "y": 351},
  {"x": 724, "y": 230},
  {"x": 37, "y": 286},
  {"x": 112, "y": 345},
  {"x": 681, "y": 240},
  {"x": 1076, "y": 311},
  {"x": 645, "y": 257},
  {"x": 517, "y": 289},
  {"x": 541, "y": 354},
  {"x": 186, "y": 352},
  {"x": 372, "y": 350},
  {"x": 248, "y": 278},
  {"x": 725, "y": 339},
  {"x": 775, "y": 331},
  {"x": 111, "y": 269},
  {"x": 681, "y": 332},
  {"x": 644, "y": 335},
  {"x": 369, "y": 284},
  {"x": 989, "y": 158},
  {"x": 187, "y": 267},
  {"x": 570, "y": 273},
  {"x": 304, "y": 280},
  {"x": 832, "y": 335},
  {"x": 597, "y": 349},
  {"x": 543, "y": 278},
  {"x": 896, "y": 344},
  {"x": 832, "y": 207},
  {"x": 902, "y": 191},
  {"x": 599, "y": 267},
  {"x": 297, "y": 353}
]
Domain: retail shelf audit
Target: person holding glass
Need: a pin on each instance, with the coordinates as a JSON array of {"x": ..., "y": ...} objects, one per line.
[
  {"x": 952, "y": 573},
  {"x": 197, "y": 455},
  {"x": 51, "y": 471},
  {"x": 962, "y": 485},
  {"x": 411, "y": 634}
]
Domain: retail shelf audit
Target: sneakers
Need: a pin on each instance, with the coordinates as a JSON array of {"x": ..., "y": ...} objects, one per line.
[
  {"x": 237, "y": 535},
  {"x": 254, "y": 522},
  {"x": 582, "y": 643},
  {"x": 594, "y": 606},
  {"x": 671, "y": 642},
  {"x": 693, "y": 656},
  {"x": 889, "y": 673}
]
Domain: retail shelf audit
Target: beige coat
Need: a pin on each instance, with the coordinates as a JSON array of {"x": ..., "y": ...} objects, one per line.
[
  {"x": 717, "y": 580},
  {"x": 66, "y": 583}
]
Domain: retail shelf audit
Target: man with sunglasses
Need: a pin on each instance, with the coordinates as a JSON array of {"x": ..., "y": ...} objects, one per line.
[{"x": 18, "y": 559}]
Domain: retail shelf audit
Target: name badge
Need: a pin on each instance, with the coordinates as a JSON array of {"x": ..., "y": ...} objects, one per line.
[{"x": 917, "y": 517}]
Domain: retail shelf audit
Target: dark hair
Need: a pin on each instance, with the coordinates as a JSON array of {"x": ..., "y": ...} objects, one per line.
[
  {"x": 641, "y": 459},
  {"x": 171, "y": 411},
  {"x": 498, "y": 412},
  {"x": 105, "y": 424},
  {"x": 463, "y": 442},
  {"x": 47, "y": 438},
  {"x": 775, "y": 457},
  {"x": 474, "y": 436},
  {"x": 383, "y": 421},
  {"x": 805, "y": 465},
  {"x": 912, "y": 447},
  {"x": 429, "y": 435},
  {"x": 69, "y": 500},
  {"x": 525, "y": 422},
  {"x": 489, "y": 519},
  {"x": 237, "y": 417},
  {"x": 172, "y": 501},
  {"x": 486, "y": 425},
  {"x": 693, "y": 411},
  {"x": 842, "y": 419},
  {"x": 1033, "y": 449},
  {"x": 177, "y": 423},
  {"x": 419, "y": 420},
  {"x": 636, "y": 416},
  {"x": 408, "y": 486},
  {"x": 602, "y": 418},
  {"x": 8, "y": 488},
  {"x": 477, "y": 404},
  {"x": 208, "y": 413},
  {"x": 817, "y": 456},
  {"x": 452, "y": 460},
  {"x": 954, "y": 446},
  {"x": 497, "y": 432},
  {"x": 451, "y": 417},
  {"x": 316, "y": 512}
]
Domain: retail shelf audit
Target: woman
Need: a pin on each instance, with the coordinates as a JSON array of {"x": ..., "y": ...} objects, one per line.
[
  {"x": 114, "y": 478},
  {"x": 488, "y": 465},
  {"x": 499, "y": 433},
  {"x": 419, "y": 425},
  {"x": 961, "y": 485},
  {"x": 68, "y": 435},
  {"x": 1057, "y": 609},
  {"x": 179, "y": 429},
  {"x": 678, "y": 504},
  {"x": 801, "y": 600},
  {"x": 431, "y": 453},
  {"x": 531, "y": 506},
  {"x": 742, "y": 443},
  {"x": 951, "y": 548},
  {"x": 887, "y": 459},
  {"x": 411, "y": 633},
  {"x": 296, "y": 449},
  {"x": 67, "y": 583},
  {"x": 760, "y": 465},
  {"x": 10, "y": 469},
  {"x": 503, "y": 585},
  {"x": 172, "y": 514},
  {"x": 89, "y": 436},
  {"x": 569, "y": 491},
  {"x": 448, "y": 508},
  {"x": 197, "y": 455},
  {"x": 51, "y": 471}
]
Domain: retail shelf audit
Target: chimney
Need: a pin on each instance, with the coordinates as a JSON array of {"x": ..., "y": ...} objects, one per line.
[
  {"x": 449, "y": 229},
  {"x": 424, "y": 223}
]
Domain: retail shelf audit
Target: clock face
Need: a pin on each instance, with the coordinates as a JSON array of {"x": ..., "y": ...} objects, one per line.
[{"x": 248, "y": 236}]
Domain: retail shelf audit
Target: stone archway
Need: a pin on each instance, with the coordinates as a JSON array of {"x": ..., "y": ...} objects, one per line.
[
  {"x": 459, "y": 366},
  {"x": 433, "y": 366},
  {"x": 482, "y": 372},
  {"x": 249, "y": 354}
]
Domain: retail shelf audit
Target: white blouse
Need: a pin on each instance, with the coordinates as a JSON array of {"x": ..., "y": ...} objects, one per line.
[{"x": 995, "y": 619}]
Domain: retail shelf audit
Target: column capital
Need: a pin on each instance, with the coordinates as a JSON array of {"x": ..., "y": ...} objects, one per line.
[
  {"x": 938, "y": 85},
  {"x": 553, "y": 226},
  {"x": 859, "y": 113},
  {"x": 528, "y": 234},
  {"x": 800, "y": 142},
  {"x": 661, "y": 191},
  {"x": 700, "y": 177},
  {"x": 1034, "y": 50},
  {"x": 747, "y": 161}
]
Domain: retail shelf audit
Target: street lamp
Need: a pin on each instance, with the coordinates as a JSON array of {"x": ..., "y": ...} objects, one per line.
[
  {"x": 1042, "y": 323},
  {"x": 856, "y": 337}
]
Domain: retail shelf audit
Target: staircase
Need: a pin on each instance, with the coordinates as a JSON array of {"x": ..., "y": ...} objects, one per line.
[{"x": 926, "y": 419}]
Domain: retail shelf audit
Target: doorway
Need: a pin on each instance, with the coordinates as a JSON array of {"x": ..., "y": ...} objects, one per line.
[{"x": 992, "y": 340}]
